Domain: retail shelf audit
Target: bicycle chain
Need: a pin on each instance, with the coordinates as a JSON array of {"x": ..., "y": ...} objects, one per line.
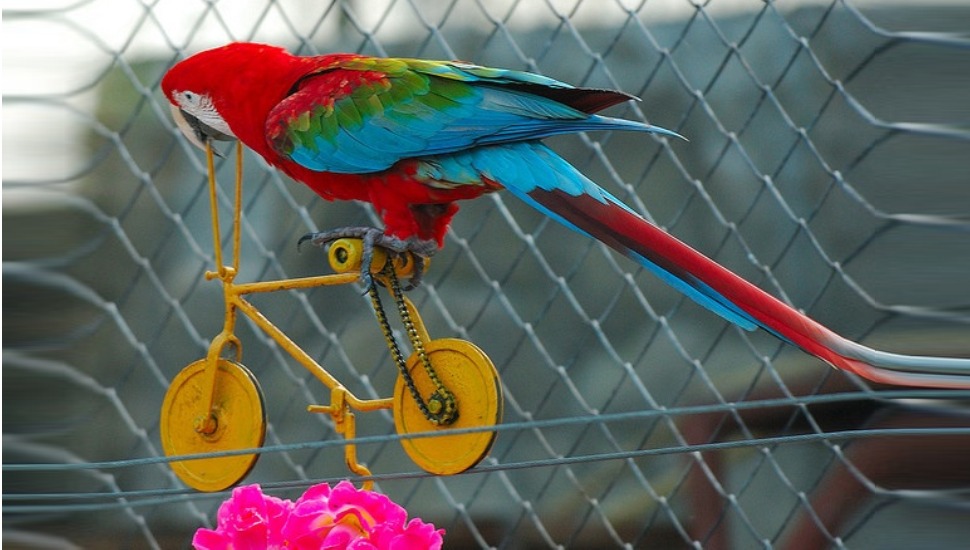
[{"x": 441, "y": 408}]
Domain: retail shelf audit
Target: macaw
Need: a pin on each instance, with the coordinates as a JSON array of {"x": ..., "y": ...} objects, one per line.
[{"x": 414, "y": 136}]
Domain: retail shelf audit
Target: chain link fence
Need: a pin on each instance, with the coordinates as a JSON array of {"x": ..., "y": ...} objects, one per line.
[{"x": 828, "y": 162}]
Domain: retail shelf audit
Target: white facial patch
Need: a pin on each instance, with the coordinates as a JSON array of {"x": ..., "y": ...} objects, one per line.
[{"x": 200, "y": 106}]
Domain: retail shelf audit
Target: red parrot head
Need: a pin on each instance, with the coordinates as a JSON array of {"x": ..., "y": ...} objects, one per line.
[
  {"x": 214, "y": 93},
  {"x": 189, "y": 91}
]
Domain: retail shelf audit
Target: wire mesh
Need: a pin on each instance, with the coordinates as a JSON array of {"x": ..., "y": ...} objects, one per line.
[{"x": 828, "y": 163}]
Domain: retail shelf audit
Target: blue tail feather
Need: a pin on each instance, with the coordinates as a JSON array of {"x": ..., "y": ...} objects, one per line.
[{"x": 535, "y": 174}]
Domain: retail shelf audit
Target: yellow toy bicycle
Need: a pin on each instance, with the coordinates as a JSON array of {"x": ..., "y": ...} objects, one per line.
[{"x": 215, "y": 404}]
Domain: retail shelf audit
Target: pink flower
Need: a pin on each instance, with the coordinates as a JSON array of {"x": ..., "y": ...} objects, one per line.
[
  {"x": 248, "y": 520},
  {"x": 323, "y": 518}
]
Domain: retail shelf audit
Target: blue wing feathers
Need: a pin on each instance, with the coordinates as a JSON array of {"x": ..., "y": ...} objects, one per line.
[{"x": 422, "y": 115}]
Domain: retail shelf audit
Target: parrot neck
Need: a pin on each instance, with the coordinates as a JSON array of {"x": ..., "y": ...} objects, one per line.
[{"x": 252, "y": 88}]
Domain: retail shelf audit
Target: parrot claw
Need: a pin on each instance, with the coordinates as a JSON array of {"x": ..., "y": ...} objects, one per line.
[{"x": 419, "y": 249}]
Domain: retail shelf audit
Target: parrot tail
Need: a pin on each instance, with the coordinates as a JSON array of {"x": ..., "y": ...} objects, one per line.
[{"x": 569, "y": 197}]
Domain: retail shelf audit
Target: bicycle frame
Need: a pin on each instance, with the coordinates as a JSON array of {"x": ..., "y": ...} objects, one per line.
[
  {"x": 345, "y": 259},
  {"x": 214, "y": 404}
]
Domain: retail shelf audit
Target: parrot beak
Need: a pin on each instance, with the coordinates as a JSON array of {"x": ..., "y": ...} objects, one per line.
[{"x": 196, "y": 131}]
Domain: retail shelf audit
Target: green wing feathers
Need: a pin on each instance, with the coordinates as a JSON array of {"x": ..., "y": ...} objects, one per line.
[{"x": 363, "y": 114}]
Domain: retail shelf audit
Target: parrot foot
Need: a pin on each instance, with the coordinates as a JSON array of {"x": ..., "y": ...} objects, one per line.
[{"x": 420, "y": 249}]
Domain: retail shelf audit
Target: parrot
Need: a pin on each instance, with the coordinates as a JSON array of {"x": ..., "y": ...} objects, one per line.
[{"x": 412, "y": 137}]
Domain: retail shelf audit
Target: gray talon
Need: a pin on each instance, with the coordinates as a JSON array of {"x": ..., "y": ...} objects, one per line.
[{"x": 372, "y": 237}]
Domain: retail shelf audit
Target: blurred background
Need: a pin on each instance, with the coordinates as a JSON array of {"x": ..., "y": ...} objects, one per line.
[{"x": 828, "y": 162}]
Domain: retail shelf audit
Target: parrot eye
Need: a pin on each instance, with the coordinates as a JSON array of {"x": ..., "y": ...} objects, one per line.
[{"x": 189, "y": 100}]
